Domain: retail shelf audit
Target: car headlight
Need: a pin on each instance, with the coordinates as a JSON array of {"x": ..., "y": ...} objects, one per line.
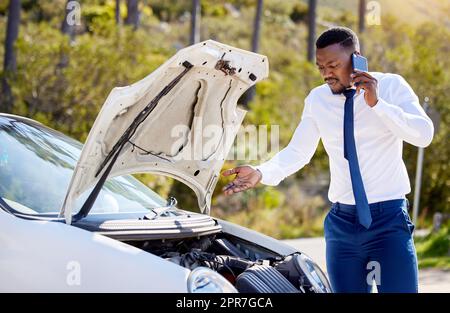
[
  {"x": 205, "y": 280},
  {"x": 314, "y": 274}
]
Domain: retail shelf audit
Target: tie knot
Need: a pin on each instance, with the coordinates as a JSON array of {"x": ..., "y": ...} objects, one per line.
[{"x": 349, "y": 93}]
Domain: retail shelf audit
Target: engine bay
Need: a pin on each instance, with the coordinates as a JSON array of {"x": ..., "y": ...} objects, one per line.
[{"x": 247, "y": 266}]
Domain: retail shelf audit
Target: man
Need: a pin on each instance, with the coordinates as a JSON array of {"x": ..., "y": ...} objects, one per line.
[{"x": 368, "y": 231}]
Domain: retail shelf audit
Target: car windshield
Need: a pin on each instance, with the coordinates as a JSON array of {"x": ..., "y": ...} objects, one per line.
[{"x": 36, "y": 165}]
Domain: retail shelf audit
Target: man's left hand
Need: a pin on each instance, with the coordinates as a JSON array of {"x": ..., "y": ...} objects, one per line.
[{"x": 369, "y": 84}]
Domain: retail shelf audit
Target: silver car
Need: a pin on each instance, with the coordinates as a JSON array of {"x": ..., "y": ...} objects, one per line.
[{"x": 73, "y": 219}]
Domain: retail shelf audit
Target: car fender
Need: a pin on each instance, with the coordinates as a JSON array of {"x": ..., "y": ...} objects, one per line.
[{"x": 48, "y": 256}]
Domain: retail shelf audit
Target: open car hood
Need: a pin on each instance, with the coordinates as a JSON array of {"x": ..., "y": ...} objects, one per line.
[{"x": 180, "y": 121}]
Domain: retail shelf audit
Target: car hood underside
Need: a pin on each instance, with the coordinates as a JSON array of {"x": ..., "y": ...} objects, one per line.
[{"x": 180, "y": 121}]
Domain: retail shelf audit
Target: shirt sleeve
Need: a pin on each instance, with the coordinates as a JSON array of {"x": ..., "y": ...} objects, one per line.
[
  {"x": 405, "y": 116},
  {"x": 296, "y": 154}
]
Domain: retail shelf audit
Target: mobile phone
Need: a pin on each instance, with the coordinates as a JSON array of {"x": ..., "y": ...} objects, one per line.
[{"x": 359, "y": 63}]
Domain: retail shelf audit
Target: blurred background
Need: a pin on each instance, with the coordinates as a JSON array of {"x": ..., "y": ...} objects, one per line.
[{"x": 62, "y": 58}]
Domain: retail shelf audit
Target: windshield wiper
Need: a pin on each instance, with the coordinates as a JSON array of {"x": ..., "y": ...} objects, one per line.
[
  {"x": 127, "y": 135},
  {"x": 161, "y": 211},
  {"x": 9, "y": 209},
  {"x": 6, "y": 207}
]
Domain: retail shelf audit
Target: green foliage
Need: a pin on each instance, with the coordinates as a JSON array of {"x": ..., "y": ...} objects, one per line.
[
  {"x": 169, "y": 10},
  {"x": 213, "y": 8},
  {"x": 43, "y": 11},
  {"x": 4, "y": 7},
  {"x": 299, "y": 13},
  {"x": 99, "y": 13},
  {"x": 434, "y": 249},
  {"x": 279, "y": 212},
  {"x": 64, "y": 85}
]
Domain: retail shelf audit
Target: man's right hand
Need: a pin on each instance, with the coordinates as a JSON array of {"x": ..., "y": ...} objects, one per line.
[{"x": 246, "y": 178}]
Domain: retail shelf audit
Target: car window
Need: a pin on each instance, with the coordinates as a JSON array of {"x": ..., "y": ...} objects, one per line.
[{"x": 36, "y": 165}]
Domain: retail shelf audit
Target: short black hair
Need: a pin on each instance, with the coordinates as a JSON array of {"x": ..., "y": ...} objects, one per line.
[{"x": 342, "y": 35}]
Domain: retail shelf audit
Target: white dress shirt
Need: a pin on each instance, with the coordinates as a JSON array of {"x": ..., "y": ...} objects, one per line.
[{"x": 379, "y": 135}]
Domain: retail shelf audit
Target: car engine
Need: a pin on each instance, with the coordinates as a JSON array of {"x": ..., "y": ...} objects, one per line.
[{"x": 250, "y": 268}]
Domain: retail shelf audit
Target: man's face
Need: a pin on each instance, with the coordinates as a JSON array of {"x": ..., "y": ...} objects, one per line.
[{"x": 335, "y": 66}]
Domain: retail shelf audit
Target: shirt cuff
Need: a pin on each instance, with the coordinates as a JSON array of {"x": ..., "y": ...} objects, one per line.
[{"x": 270, "y": 176}]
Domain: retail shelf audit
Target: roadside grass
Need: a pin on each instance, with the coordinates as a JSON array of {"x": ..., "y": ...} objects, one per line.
[{"x": 433, "y": 250}]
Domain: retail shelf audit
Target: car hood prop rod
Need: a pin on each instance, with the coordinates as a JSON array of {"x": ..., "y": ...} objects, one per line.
[{"x": 127, "y": 135}]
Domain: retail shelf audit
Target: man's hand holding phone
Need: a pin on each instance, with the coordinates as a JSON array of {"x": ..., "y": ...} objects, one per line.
[
  {"x": 369, "y": 84},
  {"x": 361, "y": 79}
]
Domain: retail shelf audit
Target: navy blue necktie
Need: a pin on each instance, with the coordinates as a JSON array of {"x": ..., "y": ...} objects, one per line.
[{"x": 362, "y": 205}]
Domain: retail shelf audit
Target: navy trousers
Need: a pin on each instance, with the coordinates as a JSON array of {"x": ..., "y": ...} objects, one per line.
[{"x": 384, "y": 253}]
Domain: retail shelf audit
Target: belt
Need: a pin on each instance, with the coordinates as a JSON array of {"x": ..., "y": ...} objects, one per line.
[{"x": 376, "y": 206}]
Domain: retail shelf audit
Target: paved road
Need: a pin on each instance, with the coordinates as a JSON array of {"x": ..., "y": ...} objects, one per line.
[{"x": 430, "y": 280}]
